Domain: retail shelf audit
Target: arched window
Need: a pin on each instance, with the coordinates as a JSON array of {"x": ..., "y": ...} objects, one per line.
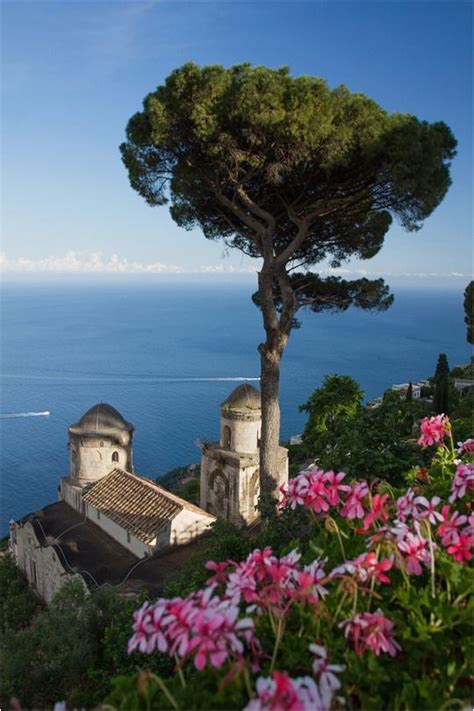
[
  {"x": 226, "y": 436},
  {"x": 101, "y": 444},
  {"x": 115, "y": 456}
]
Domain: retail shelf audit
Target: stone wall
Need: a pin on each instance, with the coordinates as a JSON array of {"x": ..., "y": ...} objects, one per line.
[
  {"x": 230, "y": 484},
  {"x": 42, "y": 565}
]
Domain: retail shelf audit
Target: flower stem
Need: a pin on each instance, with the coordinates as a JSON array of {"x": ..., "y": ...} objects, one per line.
[
  {"x": 430, "y": 539},
  {"x": 451, "y": 442},
  {"x": 354, "y": 609},
  {"x": 180, "y": 672},
  {"x": 279, "y": 635},
  {"x": 339, "y": 538},
  {"x": 165, "y": 690},
  {"x": 339, "y": 607},
  {"x": 247, "y": 682},
  {"x": 372, "y": 582}
]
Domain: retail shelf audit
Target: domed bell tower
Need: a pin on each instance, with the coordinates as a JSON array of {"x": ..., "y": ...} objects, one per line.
[
  {"x": 98, "y": 443},
  {"x": 230, "y": 475}
]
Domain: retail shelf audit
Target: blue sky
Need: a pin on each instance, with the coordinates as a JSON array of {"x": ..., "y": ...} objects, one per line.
[{"x": 74, "y": 72}]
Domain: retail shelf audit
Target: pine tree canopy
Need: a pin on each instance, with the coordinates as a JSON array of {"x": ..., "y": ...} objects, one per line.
[{"x": 243, "y": 150}]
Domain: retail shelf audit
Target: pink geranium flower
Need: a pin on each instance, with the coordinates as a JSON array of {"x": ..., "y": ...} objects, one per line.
[
  {"x": 466, "y": 447},
  {"x": 430, "y": 511},
  {"x": 281, "y": 693},
  {"x": 294, "y": 492},
  {"x": 462, "y": 549},
  {"x": 377, "y": 511},
  {"x": 353, "y": 507},
  {"x": 334, "y": 486},
  {"x": 314, "y": 489},
  {"x": 317, "y": 496},
  {"x": 448, "y": 529},
  {"x": 201, "y": 625},
  {"x": 147, "y": 635},
  {"x": 414, "y": 548},
  {"x": 328, "y": 681},
  {"x": 220, "y": 571},
  {"x": 434, "y": 430},
  {"x": 365, "y": 568},
  {"x": 406, "y": 506},
  {"x": 371, "y": 630},
  {"x": 469, "y": 530},
  {"x": 463, "y": 481},
  {"x": 309, "y": 583},
  {"x": 373, "y": 568}
]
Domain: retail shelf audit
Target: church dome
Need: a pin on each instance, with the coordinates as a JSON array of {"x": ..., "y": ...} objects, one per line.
[
  {"x": 101, "y": 419},
  {"x": 244, "y": 397}
]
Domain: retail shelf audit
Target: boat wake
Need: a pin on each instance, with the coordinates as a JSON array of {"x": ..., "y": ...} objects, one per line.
[
  {"x": 9, "y": 415},
  {"x": 125, "y": 379}
]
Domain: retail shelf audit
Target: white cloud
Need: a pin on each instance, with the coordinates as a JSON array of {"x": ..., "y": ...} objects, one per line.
[
  {"x": 222, "y": 269},
  {"x": 343, "y": 271},
  {"x": 95, "y": 263}
]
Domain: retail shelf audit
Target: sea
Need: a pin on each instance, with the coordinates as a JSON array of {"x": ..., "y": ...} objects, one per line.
[{"x": 167, "y": 354}]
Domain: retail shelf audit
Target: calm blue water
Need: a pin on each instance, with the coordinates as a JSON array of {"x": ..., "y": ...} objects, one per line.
[{"x": 156, "y": 352}]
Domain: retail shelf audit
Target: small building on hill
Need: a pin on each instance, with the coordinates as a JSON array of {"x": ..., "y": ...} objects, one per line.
[{"x": 402, "y": 390}]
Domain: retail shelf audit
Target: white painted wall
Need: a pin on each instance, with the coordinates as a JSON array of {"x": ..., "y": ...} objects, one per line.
[
  {"x": 71, "y": 494},
  {"x": 91, "y": 457},
  {"x": 244, "y": 434},
  {"x": 187, "y": 525},
  {"x": 134, "y": 545}
]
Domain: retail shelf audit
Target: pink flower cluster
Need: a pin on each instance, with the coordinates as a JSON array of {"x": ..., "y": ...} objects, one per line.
[
  {"x": 414, "y": 549},
  {"x": 366, "y": 568},
  {"x": 270, "y": 582},
  {"x": 463, "y": 481},
  {"x": 466, "y": 447},
  {"x": 328, "y": 681},
  {"x": 211, "y": 628},
  {"x": 318, "y": 491},
  {"x": 281, "y": 693},
  {"x": 315, "y": 489},
  {"x": 371, "y": 630},
  {"x": 434, "y": 430},
  {"x": 201, "y": 625},
  {"x": 456, "y": 540}
]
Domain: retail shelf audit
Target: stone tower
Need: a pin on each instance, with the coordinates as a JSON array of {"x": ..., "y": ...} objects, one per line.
[
  {"x": 230, "y": 484},
  {"x": 100, "y": 442}
]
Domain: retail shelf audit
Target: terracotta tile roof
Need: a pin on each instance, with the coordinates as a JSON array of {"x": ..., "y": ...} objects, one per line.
[{"x": 135, "y": 503}]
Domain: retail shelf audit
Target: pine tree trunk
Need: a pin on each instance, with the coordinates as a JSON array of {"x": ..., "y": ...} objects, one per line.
[
  {"x": 270, "y": 358},
  {"x": 269, "y": 384}
]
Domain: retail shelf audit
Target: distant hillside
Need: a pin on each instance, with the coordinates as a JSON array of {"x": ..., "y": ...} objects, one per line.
[{"x": 183, "y": 481}]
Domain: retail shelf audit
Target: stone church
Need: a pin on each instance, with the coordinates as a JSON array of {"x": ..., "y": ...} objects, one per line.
[{"x": 113, "y": 527}]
